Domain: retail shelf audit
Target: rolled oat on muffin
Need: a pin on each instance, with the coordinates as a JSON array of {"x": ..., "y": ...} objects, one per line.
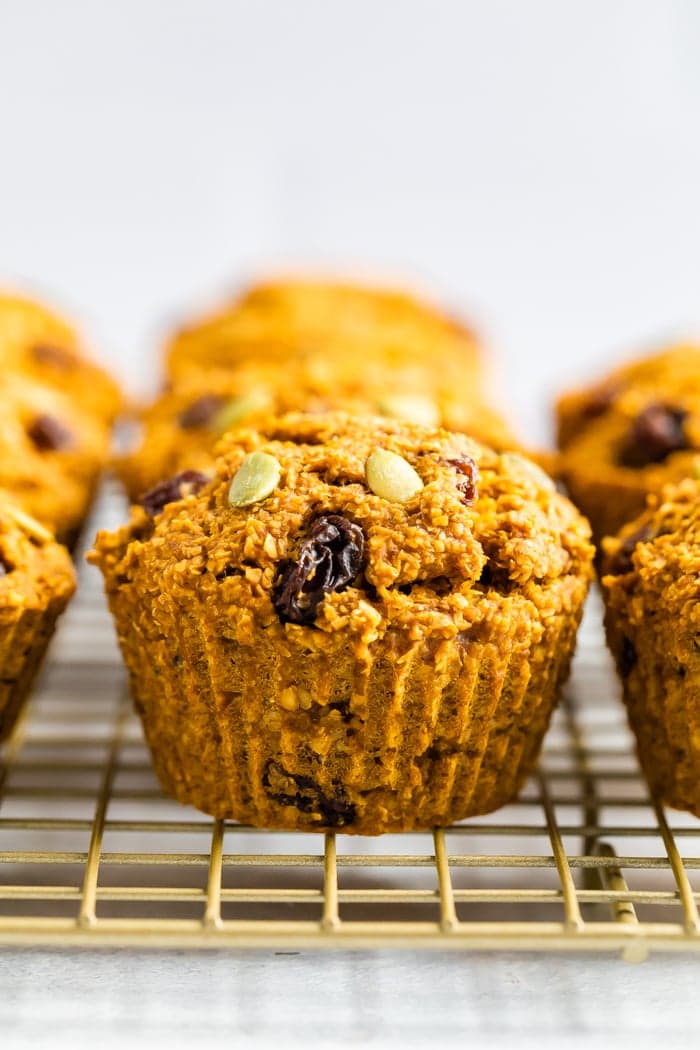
[
  {"x": 36, "y": 583},
  {"x": 357, "y": 623},
  {"x": 651, "y": 586}
]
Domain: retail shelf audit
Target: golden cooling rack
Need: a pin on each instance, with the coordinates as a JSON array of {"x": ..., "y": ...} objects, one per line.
[{"x": 91, "y": 853}]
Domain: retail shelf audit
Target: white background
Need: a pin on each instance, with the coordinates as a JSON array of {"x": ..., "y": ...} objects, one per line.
[{"x": 537, "y": 163}]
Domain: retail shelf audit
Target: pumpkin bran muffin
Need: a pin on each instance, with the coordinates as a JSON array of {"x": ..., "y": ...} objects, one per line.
[
  {"x": 36, "y": 584},
  {"x": 357, "y": 624},
  {"x": 629, "y": 435},
  {"x": 41, "y": 346},
  {"x": 51, "y": 454},
  {"x": 181, "y": 428},
  {"x": 651, "y": 585},
  {"x": 341, "y": 322}
]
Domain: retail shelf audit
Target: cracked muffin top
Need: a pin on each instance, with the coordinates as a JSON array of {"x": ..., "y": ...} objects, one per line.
[
  {"x": 353, "y": 524},
  {"x": 278, "y": 320},
  {"x": 40, "y": 345},
  {"x": 182, "y": 426}
]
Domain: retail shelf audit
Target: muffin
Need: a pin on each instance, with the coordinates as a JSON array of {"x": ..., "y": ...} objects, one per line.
[
  {"x": 348, "y": 326},
  {"x": 631, "y": 433},
  {"x": 651, "y": 585},
  {"x": 181, "y": 428},
  {"x": 51, "y": 454},
  {"x": 356, "y": 623},
  {"x": 41, "y": 346},
  {"x": 36, "y": 584}
]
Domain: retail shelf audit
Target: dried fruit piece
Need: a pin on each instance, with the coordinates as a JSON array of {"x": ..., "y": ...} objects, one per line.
[
  {"x": 48, "y": 434},
  {"x": 467, "y": 477},
  {"x": 412, "y": 407},
  {"x": 329, "y": 561},
  {"x": 200, "y": 412},
  {"x": 655, "y": 433},
  {"x": 294, "y": 789},
  {"x": 235, "y": 411},
  {"x": 258, "y": 475},
  {"x": 620, "y": 562},
  {"x": 391, "y": 476},
  {"x": 186, "y": 483}
]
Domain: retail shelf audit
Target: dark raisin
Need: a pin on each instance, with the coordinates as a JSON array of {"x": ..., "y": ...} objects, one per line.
[
  {"x": 628, "y": 657},
  {"x": 48, "y": 434},
  {"x": 620, "y": 562},
  {"x": 200, "y": 412},
  {"x": 655, "y": 433},
  {"x": 55, "y": 356},
  {"x": 467, "y": 477},
  {"x": 294, "y": 789},
  {"x": 187, "y": 483},
  {"x": 329, "y": 560}
]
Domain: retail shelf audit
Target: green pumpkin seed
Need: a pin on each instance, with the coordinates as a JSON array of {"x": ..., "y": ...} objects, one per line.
[
  {"x": 257, "y": 476},
  {"x": 391, "y": 477},
  {"x": 238, "y": 409},
  {"x": 523, "y": 464},
  {"x": 412, "y": 407}
]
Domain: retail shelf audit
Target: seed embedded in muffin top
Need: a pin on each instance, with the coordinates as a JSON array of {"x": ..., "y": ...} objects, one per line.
[{"x": 316, "y": 545}]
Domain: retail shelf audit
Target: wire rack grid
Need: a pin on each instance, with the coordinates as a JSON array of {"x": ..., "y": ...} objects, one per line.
[{"x": 92, "y": 853}]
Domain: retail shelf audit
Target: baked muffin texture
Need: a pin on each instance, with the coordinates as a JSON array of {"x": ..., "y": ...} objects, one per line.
[
  {"x": 346, "y": 324},
  {"x": 629, "y": 435},
  {"x": 51, "y": 454},
  {"x": 370, "y": 638},
  {"x": 181, "y": 428},
  {"x": 40, "y": 345},
  {"x": 36, "y": 584},
  {"x": 651, "y": 585}
]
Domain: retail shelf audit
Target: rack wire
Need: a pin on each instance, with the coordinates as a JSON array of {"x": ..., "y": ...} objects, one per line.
[{"x": 92, "y": 853}]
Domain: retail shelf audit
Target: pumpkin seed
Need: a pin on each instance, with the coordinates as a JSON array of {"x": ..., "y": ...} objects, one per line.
[
  {"x": 257, "y": 476},
  {"x": 238, "y": 409},
  {"x": 412, "y": 407},
  {"x": 391, "y": 476}
]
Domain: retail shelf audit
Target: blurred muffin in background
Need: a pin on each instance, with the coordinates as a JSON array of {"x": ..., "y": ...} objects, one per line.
[{"x": 629, "y": 434}]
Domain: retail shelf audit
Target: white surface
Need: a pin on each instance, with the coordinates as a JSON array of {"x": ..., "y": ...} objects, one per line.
[{"x": 538, "y": 163}]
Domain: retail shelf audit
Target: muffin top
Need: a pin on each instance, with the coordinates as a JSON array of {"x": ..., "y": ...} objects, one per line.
[
  {"x": 660, "y": 548},
  {"x": 50, "y": 451},
  {"x": 340, "y": 322},
  {"x": 670, "y": 378},
  {"x": 34, "y": 569},
  {"x": 640, "y": 425},
  {"x": 182, "y": 426},
  {"x": 40, "y": 345},
  {"x": 338, "y": 523}
]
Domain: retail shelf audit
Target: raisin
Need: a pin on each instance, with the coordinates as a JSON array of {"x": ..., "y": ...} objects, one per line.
[
  {"x": 620, "y": 562},
  {"x": 187, "y": 483},
  {"x": 200, "y": 412},
  {"x": 655, "y": 433},
  {"x": 55, "y": 356},
  {"x": 628, "y": 657},
  {"x": 329, "y": 560},
  {"x": 302, "y": 792},
  {"x": 467, "y": 477},
  {"x": 48, "y": 434}
]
